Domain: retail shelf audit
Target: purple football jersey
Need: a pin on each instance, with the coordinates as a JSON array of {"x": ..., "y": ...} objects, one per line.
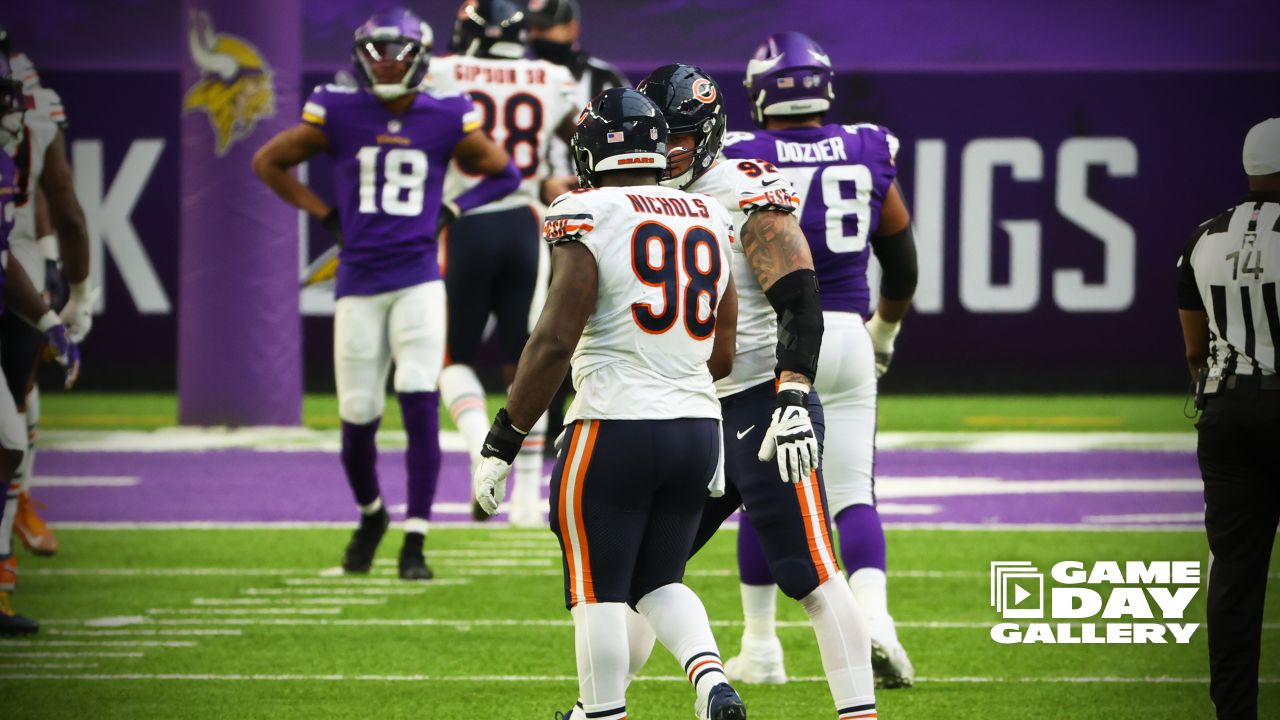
[
  {"x": 8, "y": 199},
  {"x": 388, "y": 174},
  {"x": 842, "y": 174}
]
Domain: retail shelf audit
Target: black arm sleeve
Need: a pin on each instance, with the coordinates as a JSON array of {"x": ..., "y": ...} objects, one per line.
[
  {"x": 897, "y": 256},
  {"x": 794, "y": 297},
  {"x": 1188, "y": 290}
]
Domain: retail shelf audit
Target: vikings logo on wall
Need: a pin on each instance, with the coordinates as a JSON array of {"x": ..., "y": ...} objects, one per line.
[{"x": 235, "y": 88}]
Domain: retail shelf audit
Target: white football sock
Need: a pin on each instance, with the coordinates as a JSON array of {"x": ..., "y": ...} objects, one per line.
[
  {"x": 680, "y": 621},
  {"x": 417, "y": 526},
  {"x": 6, "y": 520},
  {"x": 22, "y": 474},
  {"x": 640, "y": 639},
  {"x": 845, "y": 646},
  {"x": 869, "y": 587},
  {"x": 462, "y": 393},
  {"x": 528, "y": 466},
  {"x": 27, "y": 467},
  {"x": 600, "y": 635},
  {"x": 372, "y": 508},
  {"x": 759, "y": 610}
]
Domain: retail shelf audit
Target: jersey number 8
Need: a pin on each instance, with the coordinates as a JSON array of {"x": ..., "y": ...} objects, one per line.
[
  {"x": 660, "y": 269},
  {"x": 404, "y": 172}
]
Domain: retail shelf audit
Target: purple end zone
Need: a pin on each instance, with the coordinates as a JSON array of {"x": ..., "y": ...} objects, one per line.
[{"x": 916, "y": 486}]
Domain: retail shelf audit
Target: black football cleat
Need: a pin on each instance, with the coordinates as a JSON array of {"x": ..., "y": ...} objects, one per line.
[
  {"x": 723, "y": 703},
  {"x": 413, "y": 565},
  {"x": 11, "y": 623},
  {"x": 358, "y": 558}
]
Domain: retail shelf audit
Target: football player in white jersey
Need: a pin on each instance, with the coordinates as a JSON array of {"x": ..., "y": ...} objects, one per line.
[
  {"x": 49, "y": 225},
  {"x": 20, "y": 298},
  {"x": 493, "y": 261},
  {"x": 769, "y": 394},
  {"x": 640, "y": 272}
]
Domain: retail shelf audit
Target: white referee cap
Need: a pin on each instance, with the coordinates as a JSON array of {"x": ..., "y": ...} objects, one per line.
[{"x": 1262, "y": 148}]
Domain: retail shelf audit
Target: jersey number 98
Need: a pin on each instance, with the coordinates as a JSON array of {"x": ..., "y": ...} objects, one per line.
[
  {"x": 656, "y": 257},
  {"x": 404, "y": 172}
]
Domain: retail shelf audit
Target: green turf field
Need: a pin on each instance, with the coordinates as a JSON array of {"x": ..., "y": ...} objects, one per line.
[
  {"x": 904, "y": 413},
  {"x": 492, "y": 637}
]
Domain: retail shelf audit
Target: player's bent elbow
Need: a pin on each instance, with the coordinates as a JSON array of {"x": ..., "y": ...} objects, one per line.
[
  {"x": 262, "y": 164},
  {"x": 720, "y": 367}
]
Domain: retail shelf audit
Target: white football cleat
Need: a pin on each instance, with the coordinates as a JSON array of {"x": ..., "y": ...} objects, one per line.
[
  {"x": 889, "y": 659},
  {"x": 759, "y": 662},
  {"x": 525, "y": 508}
]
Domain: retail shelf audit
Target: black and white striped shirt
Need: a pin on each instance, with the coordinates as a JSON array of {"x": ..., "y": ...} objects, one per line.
[{"x": 1231, "y": 270}]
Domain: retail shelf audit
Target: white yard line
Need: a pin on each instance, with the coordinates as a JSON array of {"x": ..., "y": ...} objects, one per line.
[
  {"x": 210, "y": 677},
  {"x": 333, "y": 591},
  {"x": 100, "y": 643},
  {"x": 72, "y": 654},
  {"x": 289, "y": 601},
  {"x": 84, "y": 481},
  {"x": 244, "y": 611},
  {"x": 493, "y": 622},
  {"x": 219, "y": 632}
]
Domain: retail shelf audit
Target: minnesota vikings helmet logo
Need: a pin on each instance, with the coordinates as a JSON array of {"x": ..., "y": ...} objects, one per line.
[{"x": 235, "y": 88}]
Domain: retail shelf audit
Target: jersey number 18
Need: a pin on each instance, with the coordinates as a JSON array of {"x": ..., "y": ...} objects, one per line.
[{"x": 404, "y": 172}]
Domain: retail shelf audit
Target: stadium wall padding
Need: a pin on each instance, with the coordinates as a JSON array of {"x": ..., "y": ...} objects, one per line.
[{"x": 1055, "y": 158}]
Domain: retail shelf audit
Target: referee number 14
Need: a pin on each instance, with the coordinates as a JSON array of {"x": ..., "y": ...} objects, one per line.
[{"x": 1239, "y": 266}]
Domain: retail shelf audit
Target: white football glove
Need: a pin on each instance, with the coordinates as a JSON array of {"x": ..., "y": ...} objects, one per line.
[
  {"x": 77, "y": 314},
  {"x": 489, "y": 483},
  {"x": 882, "y": 334},
  {"x": 790, "y": 438},
  {"x": 489, "y": 480}
]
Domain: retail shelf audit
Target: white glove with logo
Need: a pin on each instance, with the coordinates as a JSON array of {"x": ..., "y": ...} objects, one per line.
[
  {"x": 77, "y": 314},
  {"x": 489, "y": 480},
  {"x": 882, "y": 334},
  {"x": 790, "y": 438}
]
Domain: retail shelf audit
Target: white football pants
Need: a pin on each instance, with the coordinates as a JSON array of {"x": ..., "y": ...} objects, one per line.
[
  {"x": 846, "y": 383},
  {"x": 406, "y": 326}
]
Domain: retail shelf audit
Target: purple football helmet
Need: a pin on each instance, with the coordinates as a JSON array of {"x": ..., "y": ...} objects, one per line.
[
  {"x": 397, "y": 36},
  {"x": 789, "y": 75}
]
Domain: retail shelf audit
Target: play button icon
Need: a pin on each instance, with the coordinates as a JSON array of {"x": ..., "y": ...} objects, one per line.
[{"x": 1019, "y": 594}]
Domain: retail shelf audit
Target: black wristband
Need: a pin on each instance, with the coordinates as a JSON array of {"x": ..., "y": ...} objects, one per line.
[
  {"x": 792, "y": 398},
  {"x": 331, "y": 223},
  {"x": 504, "y": 440}
]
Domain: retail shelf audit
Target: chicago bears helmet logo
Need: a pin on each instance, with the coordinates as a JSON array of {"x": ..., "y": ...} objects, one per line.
[
  {"x": 704, "y": 91},
  {"x": 235, "y": 88}
]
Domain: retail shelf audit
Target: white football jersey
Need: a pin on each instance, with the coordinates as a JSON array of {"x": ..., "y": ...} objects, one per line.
[
  {"x": 521, "y": 103},
  {"x": 742, "y": 191},
  {"x": 39, "y": 131},
  {"x": 663, "y": 259}
]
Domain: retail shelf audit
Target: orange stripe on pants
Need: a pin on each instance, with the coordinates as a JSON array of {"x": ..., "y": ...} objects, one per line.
[
  {"x": 812, "y": 511},
  {"x": 588, "y": 585}
]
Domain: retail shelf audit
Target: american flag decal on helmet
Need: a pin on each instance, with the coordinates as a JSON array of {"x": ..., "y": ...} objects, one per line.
[{"x": 614, "y": 137}]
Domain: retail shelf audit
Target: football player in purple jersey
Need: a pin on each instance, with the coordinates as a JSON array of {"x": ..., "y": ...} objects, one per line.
[
  {"x": 391, "y": 144},
  {"x": 850, "y": 207},
  {"x": 25, "y": 302}
]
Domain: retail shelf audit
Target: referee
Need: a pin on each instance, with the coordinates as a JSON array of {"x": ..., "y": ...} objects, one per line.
[
  {"x": 554, "y": 27},
  {"x": 1229, "y": 307}
]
